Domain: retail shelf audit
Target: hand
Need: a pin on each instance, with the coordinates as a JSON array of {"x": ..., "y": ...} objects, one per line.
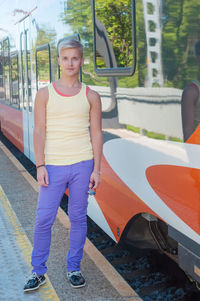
[
  {"x": 42, "y": 176},
  {"x": 95, "y": 180}
]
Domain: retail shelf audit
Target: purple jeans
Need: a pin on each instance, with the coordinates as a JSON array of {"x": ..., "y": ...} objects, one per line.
[{"x": 76, "y": 177}]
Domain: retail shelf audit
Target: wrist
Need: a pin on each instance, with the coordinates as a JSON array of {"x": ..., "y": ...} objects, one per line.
[
  {"x": 40, "y": 165},
  {"x": 97, "y": 172}
]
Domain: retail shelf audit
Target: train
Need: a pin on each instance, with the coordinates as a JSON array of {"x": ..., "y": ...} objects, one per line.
[{"x": 138, "y": 57}]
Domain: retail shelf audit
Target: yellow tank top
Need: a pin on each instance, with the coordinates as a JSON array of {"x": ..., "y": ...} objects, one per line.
[{"x": 67, "y": 128}]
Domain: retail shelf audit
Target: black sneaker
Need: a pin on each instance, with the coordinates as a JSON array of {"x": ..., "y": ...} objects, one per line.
[
  {"x": 34, "y": 282},
  {"x": 76, "y": 279}
]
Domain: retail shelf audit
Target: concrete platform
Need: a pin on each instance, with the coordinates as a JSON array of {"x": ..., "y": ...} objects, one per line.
[
  {"x": 15, "y": 250},
  {"x": 18, "y": 201}
]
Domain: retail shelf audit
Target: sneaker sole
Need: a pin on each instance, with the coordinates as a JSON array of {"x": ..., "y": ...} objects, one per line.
[
  {"x": 77, "y": 286},
  {"x": 34, "y": 288}
]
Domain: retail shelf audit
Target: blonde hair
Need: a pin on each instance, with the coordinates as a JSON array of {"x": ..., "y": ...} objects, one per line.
[{"x": 65, "y": 44}]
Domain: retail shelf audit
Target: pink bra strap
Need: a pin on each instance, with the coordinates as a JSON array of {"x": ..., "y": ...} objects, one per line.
[{"x": 87, "y": 90}]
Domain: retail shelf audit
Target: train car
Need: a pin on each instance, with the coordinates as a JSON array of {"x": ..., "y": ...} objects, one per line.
[{"x": 139, "y": 57}]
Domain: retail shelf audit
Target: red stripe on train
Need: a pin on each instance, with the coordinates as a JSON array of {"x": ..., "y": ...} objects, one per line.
[{"x": 12, "y": 125}]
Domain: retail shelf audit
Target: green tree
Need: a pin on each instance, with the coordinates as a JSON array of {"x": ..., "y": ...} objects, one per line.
[
  {"x": 180, "y": 32},
  {"x": 116, "y": 17},
  {"x": 141, "y": 45}
]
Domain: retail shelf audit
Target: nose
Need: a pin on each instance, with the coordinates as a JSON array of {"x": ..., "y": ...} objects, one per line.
[{"x": 70, "y": 62}]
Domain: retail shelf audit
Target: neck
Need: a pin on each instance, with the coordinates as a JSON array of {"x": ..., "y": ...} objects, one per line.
[{"x": 68, "y": 81}]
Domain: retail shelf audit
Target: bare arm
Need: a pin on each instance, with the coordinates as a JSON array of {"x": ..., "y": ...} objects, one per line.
[
  {"x": 39, "y": 134},
  {"x": 189, "y": 99},
  {"x": 96, "y": 135}
]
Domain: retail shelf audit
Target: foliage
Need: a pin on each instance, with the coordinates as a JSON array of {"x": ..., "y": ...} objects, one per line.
[
  {"x": 116, "y": 17},
  {"x": 141, "y": 45},
  {"x": 180, "y": 32}
]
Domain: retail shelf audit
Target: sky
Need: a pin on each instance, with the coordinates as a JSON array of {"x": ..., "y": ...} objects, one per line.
[{"x": 47, "y": 12}]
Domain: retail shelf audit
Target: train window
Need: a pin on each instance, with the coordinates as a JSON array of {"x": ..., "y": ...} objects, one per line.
[
  {"x": 6, "y": 69},
  {"x": 43, "y": 65},
  {"x": 15, "y": 79},
  {"x": 23, "y": 76},
  {"x": 114, "y": 37},
  {"x": 28, "y": 66}
]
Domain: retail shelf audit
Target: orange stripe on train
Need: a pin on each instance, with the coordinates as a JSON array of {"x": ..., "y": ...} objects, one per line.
[
  {"x": 115, "y": 197},
  {"x": 178, "y": 187}
]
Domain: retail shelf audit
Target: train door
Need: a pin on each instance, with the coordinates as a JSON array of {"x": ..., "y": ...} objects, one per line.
[{"x": 26, "y": 93}]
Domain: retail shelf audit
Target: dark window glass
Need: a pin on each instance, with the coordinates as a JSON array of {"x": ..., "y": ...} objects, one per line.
[
  {"x": 15, "y": 79},
  {"x": 6, "y": 69}
]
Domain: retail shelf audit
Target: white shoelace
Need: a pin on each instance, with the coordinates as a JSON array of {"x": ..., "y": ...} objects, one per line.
[
  {"x": 76, "y": 273},
  {"x": 32, "y": 276}
]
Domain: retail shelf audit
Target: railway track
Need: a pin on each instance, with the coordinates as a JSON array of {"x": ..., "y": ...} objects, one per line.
[{"x": 152, "y": 275}]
